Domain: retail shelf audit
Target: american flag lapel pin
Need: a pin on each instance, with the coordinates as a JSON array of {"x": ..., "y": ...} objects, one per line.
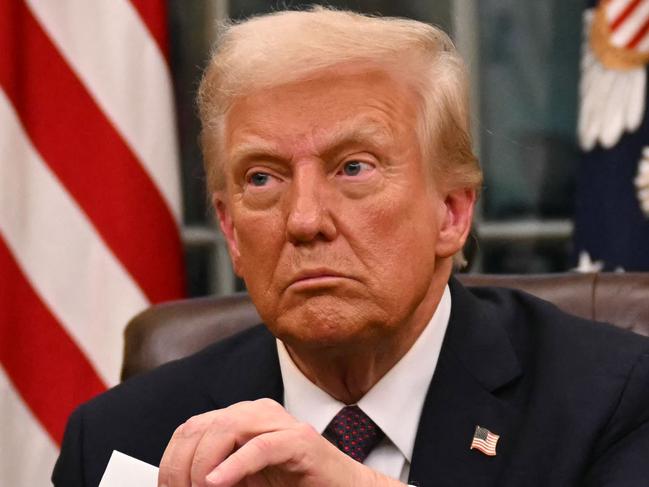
[{"x": 485, "y": 441}]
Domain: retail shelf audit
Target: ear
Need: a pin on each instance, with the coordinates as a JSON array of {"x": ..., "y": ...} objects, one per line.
[
  {"x": 228, "y": 230},
  {"x": 456, "y": 223}
]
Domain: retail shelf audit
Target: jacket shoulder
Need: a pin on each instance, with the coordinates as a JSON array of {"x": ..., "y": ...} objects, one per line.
[
  {"x": 188, "y": 378},
  {"x": 534, "y": 324},
  {"x": 573, "y": 368}
]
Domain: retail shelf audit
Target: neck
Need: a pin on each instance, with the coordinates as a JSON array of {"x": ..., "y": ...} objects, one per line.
[{"x": 348, "y": 371}]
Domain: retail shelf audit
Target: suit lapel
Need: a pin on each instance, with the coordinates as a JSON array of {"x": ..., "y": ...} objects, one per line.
[{"x": 477, "y": 359}]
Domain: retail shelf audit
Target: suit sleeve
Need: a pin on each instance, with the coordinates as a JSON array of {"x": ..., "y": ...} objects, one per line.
[
  {"x": 622, "y": 456},
  {"x": 68, "y": 469}
]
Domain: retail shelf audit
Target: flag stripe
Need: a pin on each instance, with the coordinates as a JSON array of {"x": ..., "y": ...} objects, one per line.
[
  {"x": 622, "y": 16},
  {"x": 643, "y": 45},
  {"x": 22, "y": 466},
  {"x": 127, "y": 211},
  {"x": 639, "y": 35},
  {"x": 32, "y": 358},
  {"x": 484, "y": 450},
  {"x": 154, "y": 15},
  {"x": 136, "y": 98},
  {"x": 488, "y": 443},
  {"x": 614, "y": 8},
  {"x": 628, "y": 29},
  {"x": 61, "y": 254}
]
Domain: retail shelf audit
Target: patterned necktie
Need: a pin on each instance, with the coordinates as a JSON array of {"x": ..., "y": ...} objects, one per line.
[{"x": 353, "y": 432}]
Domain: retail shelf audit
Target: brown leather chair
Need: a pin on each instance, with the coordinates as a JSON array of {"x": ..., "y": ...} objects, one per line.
[{"x": 173, "y": 330}]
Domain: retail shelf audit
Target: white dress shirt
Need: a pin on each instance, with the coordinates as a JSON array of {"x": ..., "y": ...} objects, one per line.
[{"x": 394, "y": 403}]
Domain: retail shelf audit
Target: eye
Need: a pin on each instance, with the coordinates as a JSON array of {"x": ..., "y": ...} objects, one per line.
[
  {"x": 259, "y": 178},
  {"x": 354, "y": 168}
]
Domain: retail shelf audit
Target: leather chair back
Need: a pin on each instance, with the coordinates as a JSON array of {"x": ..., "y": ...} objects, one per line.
[{"x": 176, "y": 329}]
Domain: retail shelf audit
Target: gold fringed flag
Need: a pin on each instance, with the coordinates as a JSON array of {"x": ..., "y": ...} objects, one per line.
[{"x": 612, "y": 202}]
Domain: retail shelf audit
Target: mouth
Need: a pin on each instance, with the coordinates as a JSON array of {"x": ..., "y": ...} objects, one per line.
[{"x": 320, "y": 277}]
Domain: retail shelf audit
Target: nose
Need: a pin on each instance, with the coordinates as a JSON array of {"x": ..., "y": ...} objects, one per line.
[{"x": 309, "y": 215}]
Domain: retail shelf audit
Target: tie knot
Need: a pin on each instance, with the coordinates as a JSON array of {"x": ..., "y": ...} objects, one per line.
[{"x": 353, "y": 432}]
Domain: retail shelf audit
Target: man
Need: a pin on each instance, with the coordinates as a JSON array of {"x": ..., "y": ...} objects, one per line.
[{"x": 338, "y": 155}]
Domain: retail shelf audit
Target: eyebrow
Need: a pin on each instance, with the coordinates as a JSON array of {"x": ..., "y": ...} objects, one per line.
[
  {"x": 367, "y": 131},
  {"x": 376, "y": 134},
  {"x": 255, "y": 146}
]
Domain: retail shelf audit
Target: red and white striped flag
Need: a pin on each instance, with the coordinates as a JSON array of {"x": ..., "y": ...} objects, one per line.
[{"x": 89, "y": 208}]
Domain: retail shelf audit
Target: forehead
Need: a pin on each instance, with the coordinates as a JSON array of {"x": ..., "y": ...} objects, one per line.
[{"x": 333, "y": 108}]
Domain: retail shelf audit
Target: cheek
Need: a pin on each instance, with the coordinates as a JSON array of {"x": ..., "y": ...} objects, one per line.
[
  {"x": 260, "y": 239},
  {"x": 396, "y": 243},
  {"x": 396, "y": 230}
]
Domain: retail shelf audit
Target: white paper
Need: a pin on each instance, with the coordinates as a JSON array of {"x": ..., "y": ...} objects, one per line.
[{"x": 125, "y": 471}]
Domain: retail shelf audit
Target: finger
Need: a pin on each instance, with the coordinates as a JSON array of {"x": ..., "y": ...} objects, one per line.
[
  {"x": 262, "y": 451},
  {"x": 214, "y": 447},
  {"x": 290, "y": 447},
  {"x": 175, "y": 466},
  {"x": 225, "y": 429},
  {"x": 233, "y": 427}
]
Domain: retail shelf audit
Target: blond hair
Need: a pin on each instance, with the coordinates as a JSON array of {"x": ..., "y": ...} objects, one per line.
[{"x": 289, "y": 46}]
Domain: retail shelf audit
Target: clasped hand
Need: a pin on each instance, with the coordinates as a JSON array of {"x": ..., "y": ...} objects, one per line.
[{"x": 258, "y": 444}]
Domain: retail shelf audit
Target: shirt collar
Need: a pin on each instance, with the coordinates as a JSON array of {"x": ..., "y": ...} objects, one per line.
[{"x": 394, "y": 403}]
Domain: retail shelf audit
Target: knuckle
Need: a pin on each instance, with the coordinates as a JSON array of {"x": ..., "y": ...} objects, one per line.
[
  {"x": 273, "y": 408},
  {"x": 268, "y": 403},
  {"x": 239, "y": 405},
  {"x": 178, "y": 432},
  {"x": 239, "y": 409},
  {"x": 220, "y": 422},
  {"x": 261, "y": 444},
  {"x": 305, "y": 430},
  {"x": 191, "y": 427},
  {"x": 223, "y": 423}
]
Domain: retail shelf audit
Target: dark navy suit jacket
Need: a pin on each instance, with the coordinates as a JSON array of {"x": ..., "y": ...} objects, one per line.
[{"x": 569, "y": 399}]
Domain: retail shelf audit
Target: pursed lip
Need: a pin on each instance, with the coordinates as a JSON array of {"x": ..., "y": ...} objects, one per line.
[{"x": 315, "y": 275}]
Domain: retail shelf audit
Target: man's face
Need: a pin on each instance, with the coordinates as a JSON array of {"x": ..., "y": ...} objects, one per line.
[{"x": 332, "y": 218}]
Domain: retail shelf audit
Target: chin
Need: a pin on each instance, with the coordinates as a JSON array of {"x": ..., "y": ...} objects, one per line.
[{"x": 326, "y": 321}]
